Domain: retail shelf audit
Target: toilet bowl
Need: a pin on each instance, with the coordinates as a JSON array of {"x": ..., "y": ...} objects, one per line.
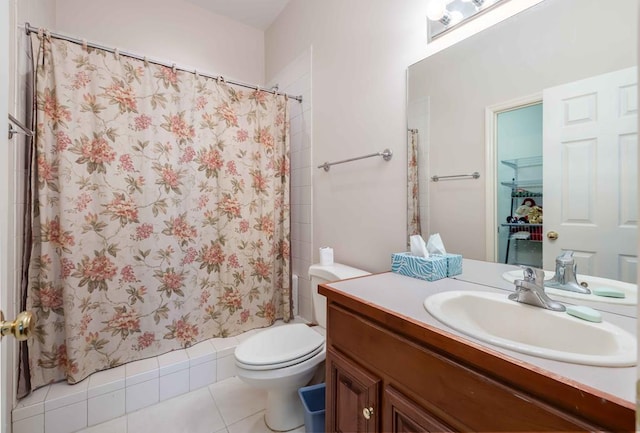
[{"x": 284, "y": 358}]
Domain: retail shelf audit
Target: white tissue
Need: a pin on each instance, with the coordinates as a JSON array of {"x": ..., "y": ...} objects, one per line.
[
  {"x": 418, "y": 247},
  {"x": 435, "y": 246},
  {"x": 326, "y": 256}
]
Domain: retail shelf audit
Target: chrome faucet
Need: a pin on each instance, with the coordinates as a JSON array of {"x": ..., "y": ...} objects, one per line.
[
  {"x": 565, "y": 276},
  {"x": 531, "y": 291}
]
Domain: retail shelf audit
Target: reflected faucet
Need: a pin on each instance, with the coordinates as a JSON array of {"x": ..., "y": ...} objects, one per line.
[
  {"x": 565, "y": 276},
  {"x": 531, "y": 291}
]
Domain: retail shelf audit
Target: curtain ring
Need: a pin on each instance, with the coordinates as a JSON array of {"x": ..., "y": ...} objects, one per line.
[
  {"x": 173, "y": 68},
  {"x": 195, "y": 71},
  {"x": 40, "y": 33},
  {"x": 116, "y": 53},
  {"x": 84, "y": 44},
  {"x": 146, "y": 61}
]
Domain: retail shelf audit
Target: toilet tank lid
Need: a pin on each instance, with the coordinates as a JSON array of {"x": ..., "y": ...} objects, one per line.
[{"x": 336, "y": 271}]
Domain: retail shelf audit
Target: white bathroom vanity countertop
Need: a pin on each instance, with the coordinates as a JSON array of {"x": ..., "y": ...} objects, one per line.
[{"x": 404, "y": 296}]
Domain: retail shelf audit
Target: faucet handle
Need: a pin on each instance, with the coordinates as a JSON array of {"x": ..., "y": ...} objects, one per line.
[
  {"x": 528, "y": 273},
  {"x": 533, "y": 275},
  {"x": 539, "y": 276},
  {"x": 567, "y": 254},
  {"x": 566, "y": 258}
]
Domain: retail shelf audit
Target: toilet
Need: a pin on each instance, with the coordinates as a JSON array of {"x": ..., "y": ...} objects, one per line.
[{"x": 284, "y": 358}]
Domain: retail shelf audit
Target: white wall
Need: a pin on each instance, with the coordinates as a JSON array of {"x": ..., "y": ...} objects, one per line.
[
  {"x": 361, "y": 49},
  {"x": 171, "y": 30}
]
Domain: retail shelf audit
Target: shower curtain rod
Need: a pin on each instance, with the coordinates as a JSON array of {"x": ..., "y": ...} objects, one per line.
[{"x": 29, "y": 29}]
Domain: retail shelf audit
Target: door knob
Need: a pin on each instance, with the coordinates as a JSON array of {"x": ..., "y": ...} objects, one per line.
[
  {"x": 367, "y": 412},
  {"x": 21, "y": 328},
  {"x": 552, "y": 235}
]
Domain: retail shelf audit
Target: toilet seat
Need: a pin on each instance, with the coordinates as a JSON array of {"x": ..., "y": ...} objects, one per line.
[
  {"x": 279, "y": 347},
  {"x": 282, "y": 364}
]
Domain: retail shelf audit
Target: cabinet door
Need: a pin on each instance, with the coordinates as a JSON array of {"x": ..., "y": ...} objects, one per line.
[
  {"x": 403, "y": 415},
  {"x": 352, "y": 396}
]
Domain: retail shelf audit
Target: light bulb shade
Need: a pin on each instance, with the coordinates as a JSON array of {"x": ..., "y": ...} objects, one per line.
[
  {"x": 455, "y": 17},
  {"x": 436, "y": 10}
]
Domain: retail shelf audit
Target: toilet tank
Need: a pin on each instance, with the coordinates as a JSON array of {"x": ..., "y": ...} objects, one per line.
[{"x": 325, "y": 273}]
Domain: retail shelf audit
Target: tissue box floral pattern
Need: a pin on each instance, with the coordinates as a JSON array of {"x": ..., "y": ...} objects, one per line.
[{"x": 431, "y": 269}]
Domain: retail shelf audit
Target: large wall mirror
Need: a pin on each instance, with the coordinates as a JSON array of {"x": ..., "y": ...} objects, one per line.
[{"x": 468, "y": 103}]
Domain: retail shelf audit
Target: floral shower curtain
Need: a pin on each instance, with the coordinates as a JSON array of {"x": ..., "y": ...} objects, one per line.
[
  {"x": 413, "y": 186},
  {"x": 161, "y": 215}
]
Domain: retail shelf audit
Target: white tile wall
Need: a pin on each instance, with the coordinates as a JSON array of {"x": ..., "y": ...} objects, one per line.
[
  {"x": 142, "y": 394},
  {"x": 295, "y": 79},
  {"x": 111, "y": 394},
  {"x": 33, "y": 424},
  {"x": 66, "y": 419},
  {"x": 105, "y": 407},
  {"x": 202, "y": 374}
]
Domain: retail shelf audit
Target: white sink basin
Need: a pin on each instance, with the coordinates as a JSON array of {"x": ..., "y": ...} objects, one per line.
[
  {"x": 494, "y": 319},
  {"x": 630, "y": 290}
]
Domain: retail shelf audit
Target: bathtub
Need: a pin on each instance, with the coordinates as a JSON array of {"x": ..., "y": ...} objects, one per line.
[{"x": 112, "y": 393}]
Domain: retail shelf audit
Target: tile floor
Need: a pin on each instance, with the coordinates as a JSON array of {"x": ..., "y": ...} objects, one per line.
[{"x": 229, "y": 406}]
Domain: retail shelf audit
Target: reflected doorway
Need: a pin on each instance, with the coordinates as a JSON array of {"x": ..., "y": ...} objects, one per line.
[{"x": 519, "y": 199}]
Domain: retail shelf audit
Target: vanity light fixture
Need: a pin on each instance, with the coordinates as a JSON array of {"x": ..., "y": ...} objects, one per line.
[
  {"x": 437, "y": 11},
  {"x": 443, "y": 15},
  {"x": 477, "y": 3}
]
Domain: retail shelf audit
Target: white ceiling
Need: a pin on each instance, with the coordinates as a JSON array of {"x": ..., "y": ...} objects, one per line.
[{"x": 255, "y": 13}]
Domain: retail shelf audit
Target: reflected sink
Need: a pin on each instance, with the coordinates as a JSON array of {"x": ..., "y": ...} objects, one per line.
[
  {"x": 630, "y": 290},
  {"x": 494, "y": 319}
]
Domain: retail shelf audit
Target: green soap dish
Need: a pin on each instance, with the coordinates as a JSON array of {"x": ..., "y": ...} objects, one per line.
[
  {"x": 608, "y": 292},
  {"x": 584, "y": 313}
]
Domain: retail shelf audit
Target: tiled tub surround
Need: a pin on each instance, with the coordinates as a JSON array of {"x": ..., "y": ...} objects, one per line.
[{"x": 109, "y": 394}]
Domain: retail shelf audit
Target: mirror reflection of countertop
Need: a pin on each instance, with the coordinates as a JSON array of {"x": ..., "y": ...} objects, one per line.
[
  {"x": 404, "y": 297},
  {"x": 490, "y": 274}
]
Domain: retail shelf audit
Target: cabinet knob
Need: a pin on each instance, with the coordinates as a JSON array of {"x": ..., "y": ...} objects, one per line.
[
  {"x": 367, "y": 412},
  {"x": 552, "y": 235}
]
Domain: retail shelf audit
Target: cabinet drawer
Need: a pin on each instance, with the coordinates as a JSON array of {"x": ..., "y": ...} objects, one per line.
[{"x": 461, "y": 397}]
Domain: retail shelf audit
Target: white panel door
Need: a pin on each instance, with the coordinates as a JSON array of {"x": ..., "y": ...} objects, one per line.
[{"x": 590, "y": 151}]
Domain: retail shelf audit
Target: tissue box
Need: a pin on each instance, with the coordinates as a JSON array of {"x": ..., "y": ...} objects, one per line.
[
  {"x": 430, "y": 269},
  {"x": 454, "y": 264}
]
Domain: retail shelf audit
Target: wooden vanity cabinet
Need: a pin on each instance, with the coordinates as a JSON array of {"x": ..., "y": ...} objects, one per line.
[
  {"x": 386, "y": 373},
  {"x": 355, "y": 396}
]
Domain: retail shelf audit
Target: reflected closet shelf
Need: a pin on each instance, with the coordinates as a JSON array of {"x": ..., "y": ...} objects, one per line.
[{"x": 535, "y": 183}]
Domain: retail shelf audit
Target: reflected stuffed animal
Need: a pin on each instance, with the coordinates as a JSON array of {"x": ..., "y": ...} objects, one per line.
[
  {"x": 535, "y": 215},
  {"x": 524, "y": 210}
]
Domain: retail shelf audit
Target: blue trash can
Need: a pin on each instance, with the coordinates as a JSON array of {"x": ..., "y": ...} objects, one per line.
[{"x": 313, "y": 400}]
